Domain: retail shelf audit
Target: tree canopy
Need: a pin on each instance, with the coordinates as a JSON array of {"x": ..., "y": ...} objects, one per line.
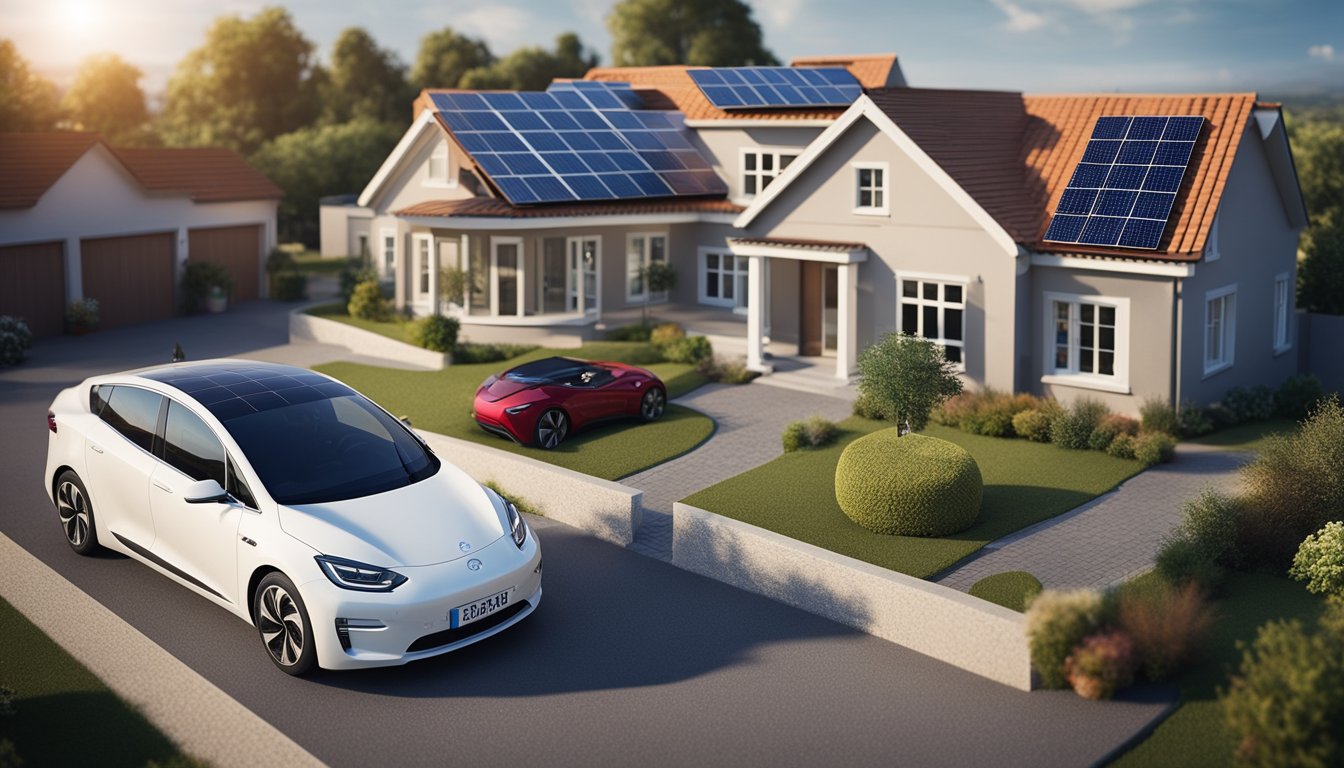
[
  {"x": 699, "y": 32},
  {"x": 106, "y": 97},
  {"x": 28, "y": 102},
  {"x": 905, "y": 377},
  {"x": 253, "y": 80},
  {"x": 445, "y": 56},
  {"x": 1318, "y": 151},
  {"x": 364, "y": 81},
  {"x": 533, "y": 68}
]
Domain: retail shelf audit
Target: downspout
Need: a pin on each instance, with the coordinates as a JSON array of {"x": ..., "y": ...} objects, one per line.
[{"x": 1177, "y": 302}]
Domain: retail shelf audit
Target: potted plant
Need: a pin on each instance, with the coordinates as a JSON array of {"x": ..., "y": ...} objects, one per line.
[
  {"x": 216, "y": 300},
  {"x": 81, "y": 316},
  {"x": 205, "y": 286}
]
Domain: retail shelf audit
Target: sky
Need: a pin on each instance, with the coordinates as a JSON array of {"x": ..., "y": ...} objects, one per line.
[{"x": 1275, "y": 47}]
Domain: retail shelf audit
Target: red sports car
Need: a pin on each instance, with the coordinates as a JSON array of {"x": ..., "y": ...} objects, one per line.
[{"x": 540, "y": 402}]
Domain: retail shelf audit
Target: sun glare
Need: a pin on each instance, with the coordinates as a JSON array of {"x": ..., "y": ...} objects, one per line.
[{"x": 81, "y": 16}]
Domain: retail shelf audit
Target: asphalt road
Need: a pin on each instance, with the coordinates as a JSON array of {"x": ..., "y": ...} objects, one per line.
[{"x": 628, "y": 660}]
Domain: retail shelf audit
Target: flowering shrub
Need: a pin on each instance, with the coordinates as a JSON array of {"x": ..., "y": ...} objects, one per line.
[
  {"x": 1057, "y": 621},
  {"x": 1101, "y": 665},
  {"x": 1320, "y": 561}
]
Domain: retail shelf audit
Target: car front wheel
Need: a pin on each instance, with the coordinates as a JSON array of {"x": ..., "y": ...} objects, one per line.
[
  {"x": 76, "y": 513},
  {"x": 283, "y": 623},
  {"x": 552, "y": 428},
  {"x": 653, "y": 404}
]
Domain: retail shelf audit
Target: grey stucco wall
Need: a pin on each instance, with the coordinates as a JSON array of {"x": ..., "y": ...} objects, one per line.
[
  {"x": 723, "y": 147},
  {"x": 1319, "y": 348}
]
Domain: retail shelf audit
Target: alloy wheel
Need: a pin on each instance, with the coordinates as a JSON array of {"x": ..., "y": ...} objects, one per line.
[
  {"x": 653, "y": 404},
  {"x": 552, "y": 428},
  {"x": 73, "y": 508},
  {"x": 281, "y": 625}
]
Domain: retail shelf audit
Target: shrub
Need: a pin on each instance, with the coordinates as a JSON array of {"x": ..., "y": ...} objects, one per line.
[
  {"x": 1249, "y": 404},
  {"x": 197, "y": 280},
  {"x": 368, "y": 303},
  {"x": 15, "y": 339},
  {"x": 467, "y": 352},
  {"x": 1192, "y": 421},
  {"x": 1169, "y": 625},
  {"x": 82, "y": 314},
  {"x": 987, "y": 413},
  {"x": 1286, "y": 702},
  {"x": 908, "y": 377},
  {"x": 909, "y": 485},
  {"x": 691, "y": 349},
  {"x": 436, "y": 333},
  {"x": 1298, "y": 395},
  {"x": 1073, "y": 428},
  {"x": 1157, "y": 415},
  {"x": 453, "y": 284},
  {"x": 521, "y": 504},
  {"x": 289, "y": 287},
  {"x": 815, "y": 432},
  {"x": 664, "y": 335},
  {"x": 1210, "y": 521},
  {"x": 1034, "y": 423},
  {"x": 1110, "y": 427},
  {"x": 726, "y": 370},
  {"x": 1154, "y": 448},
  {"x": 1183, "y": 561},
  {"x": 632, "y": 332},
  {"x": 1294, "y": 486},
  {"x": 6, "y": 701},
  {"x": 951, "y": 412},
  {"x": 1122, "y": 447},
  {"x": 355, "y": 272},
  {"x": 1320, "y": 561},
  {"x": 869, "y": 408},
  {"x": 1013, "y": 590},
  {"x": 1101, "y": 665},
  {"x": 1057, "y": 621}
]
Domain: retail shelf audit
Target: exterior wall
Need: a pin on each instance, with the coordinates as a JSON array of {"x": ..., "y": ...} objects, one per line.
[
  {"x": 338, "y": 227},
  {"x": 927, "y": 231},
  {"x": 411, "y": 184},
  {"x": 723, "y": 147},
  {"x": 1318, "y": 348},
  {"x": 1255, "y": 242}
]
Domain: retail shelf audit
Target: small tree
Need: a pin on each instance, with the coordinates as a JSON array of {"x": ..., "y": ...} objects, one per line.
[
  {"x": 453, "y": 284},
  {"x": 658, "y": 276},
  {"x": 907, "y": 377}
]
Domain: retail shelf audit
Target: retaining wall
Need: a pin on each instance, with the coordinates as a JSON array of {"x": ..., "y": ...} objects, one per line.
[{"x": 307, "y": 327}]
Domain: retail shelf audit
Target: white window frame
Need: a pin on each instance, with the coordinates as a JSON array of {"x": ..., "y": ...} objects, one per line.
[
  {"x": 939, "y": 303},
  {"x": 573, "y": 291},
  {"x": 439, "y": 154},
  {"x": 521, "y": 288},
  {"x": 738, "y": 303},
  {"x": 387, "y": 252},
  {"x": 776, "y": 155},
  {"x": 1071, "y": 375},
  {"x": 1227, "y": 354},
  {"x": 422, "y": 250},
  {"x": 1283, "y": 316},
  {"x": 644, "y": 255},
  {"x": 884, "y": 188}
]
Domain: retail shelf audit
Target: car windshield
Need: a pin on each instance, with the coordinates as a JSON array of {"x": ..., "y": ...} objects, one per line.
[
  {"x": 548, "y": 371},
  {"x": 330, "y": 450}
]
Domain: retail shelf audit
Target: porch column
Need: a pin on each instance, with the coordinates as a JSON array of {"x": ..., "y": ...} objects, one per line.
[
  {"x": 847, "y": 321},
  {"x": 756, "y": 315},
  {"x": 400, "y": 269},
  {"x": 432, "y": 245}
]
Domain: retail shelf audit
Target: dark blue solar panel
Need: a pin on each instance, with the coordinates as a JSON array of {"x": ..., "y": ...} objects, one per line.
[
  {"x": 776, "y": 87},
  {"x": 229, "y": 390},
  {"x": 1124, "y": 188}
]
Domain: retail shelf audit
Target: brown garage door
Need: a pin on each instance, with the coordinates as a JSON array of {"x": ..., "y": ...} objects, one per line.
[
  {"x": 131, "y": 277},
  {"x": 237, "y": 249},
  {"x": 32, "y": 286}
]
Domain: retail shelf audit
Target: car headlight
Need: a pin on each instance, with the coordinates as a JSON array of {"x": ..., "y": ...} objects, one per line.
[
  {"x": 517, "y": 528},
  {"x": 517, "y": 408},
  {"x": 349, "y": 574}
]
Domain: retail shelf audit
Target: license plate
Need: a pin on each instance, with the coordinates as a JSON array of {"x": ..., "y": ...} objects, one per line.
[{"x": 475, "y": 611}]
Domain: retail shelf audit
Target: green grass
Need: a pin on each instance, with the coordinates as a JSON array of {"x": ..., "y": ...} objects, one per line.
[
  {"x": 1194, "y": 735},
  {"x": 440, "y": 401},
  {"x": 336, "y": 311},
  {"x": 1011, "y": 589},
  {"x": 1025, "y": 483},
  {"x": 1246, "y": 437},
  {"x": 63, "y": 714},
  {"x": 312, "y": 263}
]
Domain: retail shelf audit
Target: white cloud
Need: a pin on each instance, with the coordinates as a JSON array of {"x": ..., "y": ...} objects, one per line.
[
  {"x": 1020, "y": 19},
  {"x": 1101, "y": 7},
  {"x": 1322, "y": 52},
  {"x": 781, "y": 12},
  {"x": 504, "y": 27}
]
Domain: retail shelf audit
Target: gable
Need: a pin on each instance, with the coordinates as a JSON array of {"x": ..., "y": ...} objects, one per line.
[{"x": 401, "y": 180}]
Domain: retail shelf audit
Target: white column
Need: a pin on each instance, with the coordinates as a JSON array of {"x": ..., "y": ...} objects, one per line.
[
  {"x": 846, "y": 342},
  {"x": 756, "y": 315},
  {"x": 432, "y": 246},
  {"x": 74, "y": 272}
]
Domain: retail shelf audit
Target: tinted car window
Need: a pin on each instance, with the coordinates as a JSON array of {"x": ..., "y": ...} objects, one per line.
[
  {"x": 98, "y": 395},
  {"x": 330, "y": 450},
  {"x": 237, "y": 487},
  {"x": 133, "y": 412},
  {"x": 191, "y": 447}
]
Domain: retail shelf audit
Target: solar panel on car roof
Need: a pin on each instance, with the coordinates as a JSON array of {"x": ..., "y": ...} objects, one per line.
[
  {"x": 579, "y": 140},
  {"x": 1123, "y": 190},
  {"x": 777, "y": 87}
]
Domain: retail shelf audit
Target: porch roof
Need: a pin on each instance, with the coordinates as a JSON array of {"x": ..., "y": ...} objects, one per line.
[{"x": 811, "y": 245}]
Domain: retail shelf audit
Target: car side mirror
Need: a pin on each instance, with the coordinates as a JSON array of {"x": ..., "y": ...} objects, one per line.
[{"x": 204, "y": 492}]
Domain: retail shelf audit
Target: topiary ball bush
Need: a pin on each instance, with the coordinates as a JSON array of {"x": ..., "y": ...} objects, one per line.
[{"x": 908, "y": 486}]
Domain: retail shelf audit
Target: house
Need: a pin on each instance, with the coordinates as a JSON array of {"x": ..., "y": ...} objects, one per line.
[
  {"x": 825, "y": 226},
  {"x": 80, "y": 218}
]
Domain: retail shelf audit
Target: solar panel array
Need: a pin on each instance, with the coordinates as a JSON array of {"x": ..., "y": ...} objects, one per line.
[
  {"x": 772, "y": 87},
  {"x": 230, "y": 390},
  {"x": 578, "y": 141},
  {"x": 1122, "y": 192}
]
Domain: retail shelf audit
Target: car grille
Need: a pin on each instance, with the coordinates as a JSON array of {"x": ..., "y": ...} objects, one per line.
[
  {"x": 495, "y": 429},
  {"x": 450, "y": 636}
]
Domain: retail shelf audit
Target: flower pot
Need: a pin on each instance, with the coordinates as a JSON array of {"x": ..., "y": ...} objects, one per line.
[{"x": 216, "y": 304}]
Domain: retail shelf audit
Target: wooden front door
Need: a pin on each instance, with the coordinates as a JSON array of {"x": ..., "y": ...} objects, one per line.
[
  {"x": 32, "y": 286},
  {"x": 810, "y": 310}
]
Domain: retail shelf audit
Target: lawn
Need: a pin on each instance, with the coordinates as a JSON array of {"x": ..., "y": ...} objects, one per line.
[
  {"x": 1025, "y": 483},
  {"x": 1246, "y": 437},
  {"x": 336, "y": 311},
  {"x": 1194, "y": 735},
  {"x": 440, "y": 401},
  {"x": 63, "y": 714},
  {"x": 312, "y": 263}
]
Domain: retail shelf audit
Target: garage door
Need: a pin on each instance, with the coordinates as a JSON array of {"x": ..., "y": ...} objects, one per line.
[
  {"x": 131, "y": 277},
  {"x": 32, "y": 286},
  {"x": 237, "y": 249}
]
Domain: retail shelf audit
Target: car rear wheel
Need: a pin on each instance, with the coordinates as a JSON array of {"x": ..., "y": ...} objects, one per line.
[
  {"x": 653, "y": 404},
  {"x": 283, "y": 623},
  {"x": 76, "y": 513},
  {"x": 552, "y": 428}
]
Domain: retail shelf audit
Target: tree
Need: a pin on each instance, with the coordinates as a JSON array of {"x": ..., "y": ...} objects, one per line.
[
  {"x": 323, "y": 160},
  {"x": 364, "y": 81},
  {"x": 533, "y": 68},
  {"x": 1320, "y": 276},
  {"x": 906, "y": 377},
  {"x": 252, "y": 81},
  {"x": 658, "y": 276},
  {"x": 106, "y": 97},
  {"x": 445, "y": 56},
  {"x": 699, "y": 32},
  {"x": 27, "y": 102}
]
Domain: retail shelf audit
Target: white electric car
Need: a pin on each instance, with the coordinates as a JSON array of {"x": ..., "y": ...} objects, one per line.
[{"x": 296, "y": 503}]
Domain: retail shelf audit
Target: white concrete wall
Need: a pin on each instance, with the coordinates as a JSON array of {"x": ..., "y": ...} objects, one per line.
[
  {"x": 305, "y": 327},
  {"x": 338, "y": 225}
]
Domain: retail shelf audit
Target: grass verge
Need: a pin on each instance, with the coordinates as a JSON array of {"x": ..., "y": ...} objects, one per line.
[
  {"x": 312, "y": 263},
  {"x": 1011, "y": 589},
  {"x": 1025, "y": 483},
  {"x": 63, "y": 714},
  {"x": 336, "y": 311},
  {"x": 1246, "y": 437}
]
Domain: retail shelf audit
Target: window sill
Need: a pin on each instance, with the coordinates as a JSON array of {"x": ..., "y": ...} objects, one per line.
[
  {"x": 1086, "y": 382},
  {"x": 872, "y": 212},
  {"x": 1214, "y": 371},
  {"x": 440, "y": 184},
  {"x": 1280, "y": 351}
]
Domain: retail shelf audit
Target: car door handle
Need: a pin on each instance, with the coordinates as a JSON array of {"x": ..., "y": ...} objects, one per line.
[
  {"x": 162, "y": 486},
  {"x": 95, "y": 448}
]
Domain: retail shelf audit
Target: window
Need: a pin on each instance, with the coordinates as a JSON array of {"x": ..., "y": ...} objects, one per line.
[
  {"x": 133, "y": 412},
  {"x": 389, "y": 251},
  {"x": 641, "y": 250},
  {"x": 870, "y": 189},
  {"x": 237, "y": 486},
  {"x": 1283, "y": 301},
  {"x": 438, "y": 165},
  {"x": 761, "y": 166},
  {"x": 422, "y": 246},
  {"x": 935, "y": 308},
  {"x": 723, "y": 278},
  {"x": 363, "y": 241},
  {"x": 1087, "y": 341},
  {"x": 1220, "y": 329},
  {"x": 190, "y": 446}
]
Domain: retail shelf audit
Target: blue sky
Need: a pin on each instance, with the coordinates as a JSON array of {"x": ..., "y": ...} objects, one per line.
[{"x": 1276, "y": 47}]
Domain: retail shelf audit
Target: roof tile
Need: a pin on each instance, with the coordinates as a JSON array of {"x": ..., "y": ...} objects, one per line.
[{"x": 31, "y": 162}]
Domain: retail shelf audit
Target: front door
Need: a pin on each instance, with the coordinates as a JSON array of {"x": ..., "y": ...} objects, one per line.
[
  {"x": 582, "y": 282},
  {"x": 830, "y": 308}
]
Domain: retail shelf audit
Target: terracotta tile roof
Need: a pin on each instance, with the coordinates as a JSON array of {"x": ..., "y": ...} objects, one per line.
[
  {"x": 788, "y": 242},
  {"x": 671, "y": 88},
  {"x": 31, "y": 162},
  {"x": 206, "y": 174},
  {"x": 490, "y": 207},
  {"x": 872, "y": 70}
]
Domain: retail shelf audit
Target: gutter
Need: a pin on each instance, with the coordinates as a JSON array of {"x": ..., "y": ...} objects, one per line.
[{"x": 1177, "y": 307}]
